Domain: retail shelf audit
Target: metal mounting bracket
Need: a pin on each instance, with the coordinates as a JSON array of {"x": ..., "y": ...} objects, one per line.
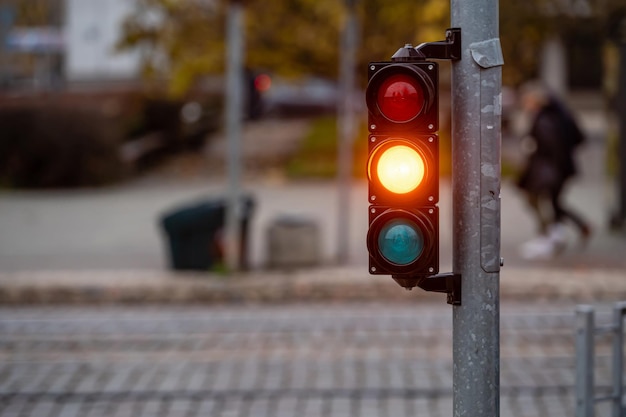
[
  {"x": 450, "y": 48},
  {"x": 449, "y": 283}
]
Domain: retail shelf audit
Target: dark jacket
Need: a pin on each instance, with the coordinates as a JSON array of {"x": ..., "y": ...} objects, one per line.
[{"x": 556, "y": 135}]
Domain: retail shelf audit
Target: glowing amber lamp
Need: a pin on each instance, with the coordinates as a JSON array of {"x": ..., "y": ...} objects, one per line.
[{"x": 400, "y": 169}]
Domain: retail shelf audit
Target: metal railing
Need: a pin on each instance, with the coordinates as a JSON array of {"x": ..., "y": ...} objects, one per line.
[{"x": 586, "y": 331}]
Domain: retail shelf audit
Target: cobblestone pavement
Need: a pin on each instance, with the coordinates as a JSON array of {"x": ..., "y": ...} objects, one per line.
[{"x": 353, "y": 360}]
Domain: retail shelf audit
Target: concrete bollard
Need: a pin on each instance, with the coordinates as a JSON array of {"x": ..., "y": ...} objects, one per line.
[{"x": 293, "y": 242}]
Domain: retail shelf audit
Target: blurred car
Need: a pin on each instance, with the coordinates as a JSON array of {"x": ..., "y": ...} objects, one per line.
[{"x": 304, "y": 97}]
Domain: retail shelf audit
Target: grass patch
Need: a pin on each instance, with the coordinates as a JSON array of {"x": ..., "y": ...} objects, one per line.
[{"x": 317, "y": 156}]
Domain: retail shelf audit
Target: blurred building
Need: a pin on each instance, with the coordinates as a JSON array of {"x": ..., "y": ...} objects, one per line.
[
  {"x": 573, "y": 61},
  {"x": 76, "y": 45},
  {"x": 572, "y": 58},
  {"x": 91, "y": 31}
]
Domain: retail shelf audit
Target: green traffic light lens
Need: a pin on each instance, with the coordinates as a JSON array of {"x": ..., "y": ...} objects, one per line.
[{"x": 401, "y": 241}]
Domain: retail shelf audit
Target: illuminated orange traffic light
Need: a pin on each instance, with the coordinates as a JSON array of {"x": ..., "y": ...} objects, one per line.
[
  {"x": 403, "y": 169},
  {"x": 400, "y": 169}
]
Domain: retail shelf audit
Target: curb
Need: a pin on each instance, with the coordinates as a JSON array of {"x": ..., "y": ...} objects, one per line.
[{"x": 274, "y": 287}]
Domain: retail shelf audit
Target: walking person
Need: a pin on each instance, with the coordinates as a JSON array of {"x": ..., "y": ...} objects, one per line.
[{"x": 555, "y": 136}]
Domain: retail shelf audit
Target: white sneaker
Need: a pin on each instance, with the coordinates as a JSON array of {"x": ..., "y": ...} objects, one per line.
[
  {"x": 542, "y": 247},
  {"x": 557, "y": 233}
]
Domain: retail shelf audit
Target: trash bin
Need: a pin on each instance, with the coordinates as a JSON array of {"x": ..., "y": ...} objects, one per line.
[{"x": 194, "y": 234}]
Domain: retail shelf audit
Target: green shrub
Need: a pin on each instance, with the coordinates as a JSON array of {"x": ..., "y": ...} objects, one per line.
[
  {"x": 317, "y": 155},
  {"x": 49, "y": 145}
]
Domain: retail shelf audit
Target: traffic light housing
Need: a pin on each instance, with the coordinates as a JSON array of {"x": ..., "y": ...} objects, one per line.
[
  {"x": 403, "y": 169},
  {"x": 402, "y": 99}
]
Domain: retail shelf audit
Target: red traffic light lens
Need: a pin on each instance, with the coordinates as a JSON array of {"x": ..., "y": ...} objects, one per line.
[{"x": 400, "y": 98}]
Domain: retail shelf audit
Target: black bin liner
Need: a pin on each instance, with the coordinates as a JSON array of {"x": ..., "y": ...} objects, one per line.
[{"x": 194, "y": 234}]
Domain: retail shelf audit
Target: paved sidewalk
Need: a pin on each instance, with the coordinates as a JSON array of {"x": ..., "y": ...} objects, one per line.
[{"x": 106, "y": 245}]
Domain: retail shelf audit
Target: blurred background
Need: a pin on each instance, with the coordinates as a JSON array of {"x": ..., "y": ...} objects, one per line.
[
  {"x": 112, "y": 116},
  {"x": 114, "y": 152}
]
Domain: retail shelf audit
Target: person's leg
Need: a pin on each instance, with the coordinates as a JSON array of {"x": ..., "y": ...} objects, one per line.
[
  {"x": 535, "y": 202},
  {"x": 541, "y": 246},
  {"x": 562, "y": 213}
]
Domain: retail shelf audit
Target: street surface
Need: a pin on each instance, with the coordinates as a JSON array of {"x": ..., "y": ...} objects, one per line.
[{"x": 317, "y": 360}]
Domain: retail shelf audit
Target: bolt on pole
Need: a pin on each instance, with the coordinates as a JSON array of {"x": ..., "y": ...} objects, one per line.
[
  {"x": 476, "y": 136},
  {"x": 234, "y": 112}
]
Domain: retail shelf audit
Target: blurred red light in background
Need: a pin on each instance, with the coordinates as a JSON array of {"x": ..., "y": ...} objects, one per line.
[{"x": 262, "y": 82}]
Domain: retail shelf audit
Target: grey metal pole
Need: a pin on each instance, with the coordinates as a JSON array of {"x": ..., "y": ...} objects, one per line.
[
  {"x": 618, "y": 357},
  {"x": 6, "y": 21},
  {"x": 584, "y": 360},
  {"x": 617, "y": 33},
  {"x": 476, "y": 136},
  {"x": 621, "y": 108},
  {"x": 234, "y": 112},
  {"x": 346, "y": 129}
]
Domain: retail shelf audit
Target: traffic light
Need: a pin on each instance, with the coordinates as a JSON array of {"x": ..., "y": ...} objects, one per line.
[{"x": 403, "y": 170}]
